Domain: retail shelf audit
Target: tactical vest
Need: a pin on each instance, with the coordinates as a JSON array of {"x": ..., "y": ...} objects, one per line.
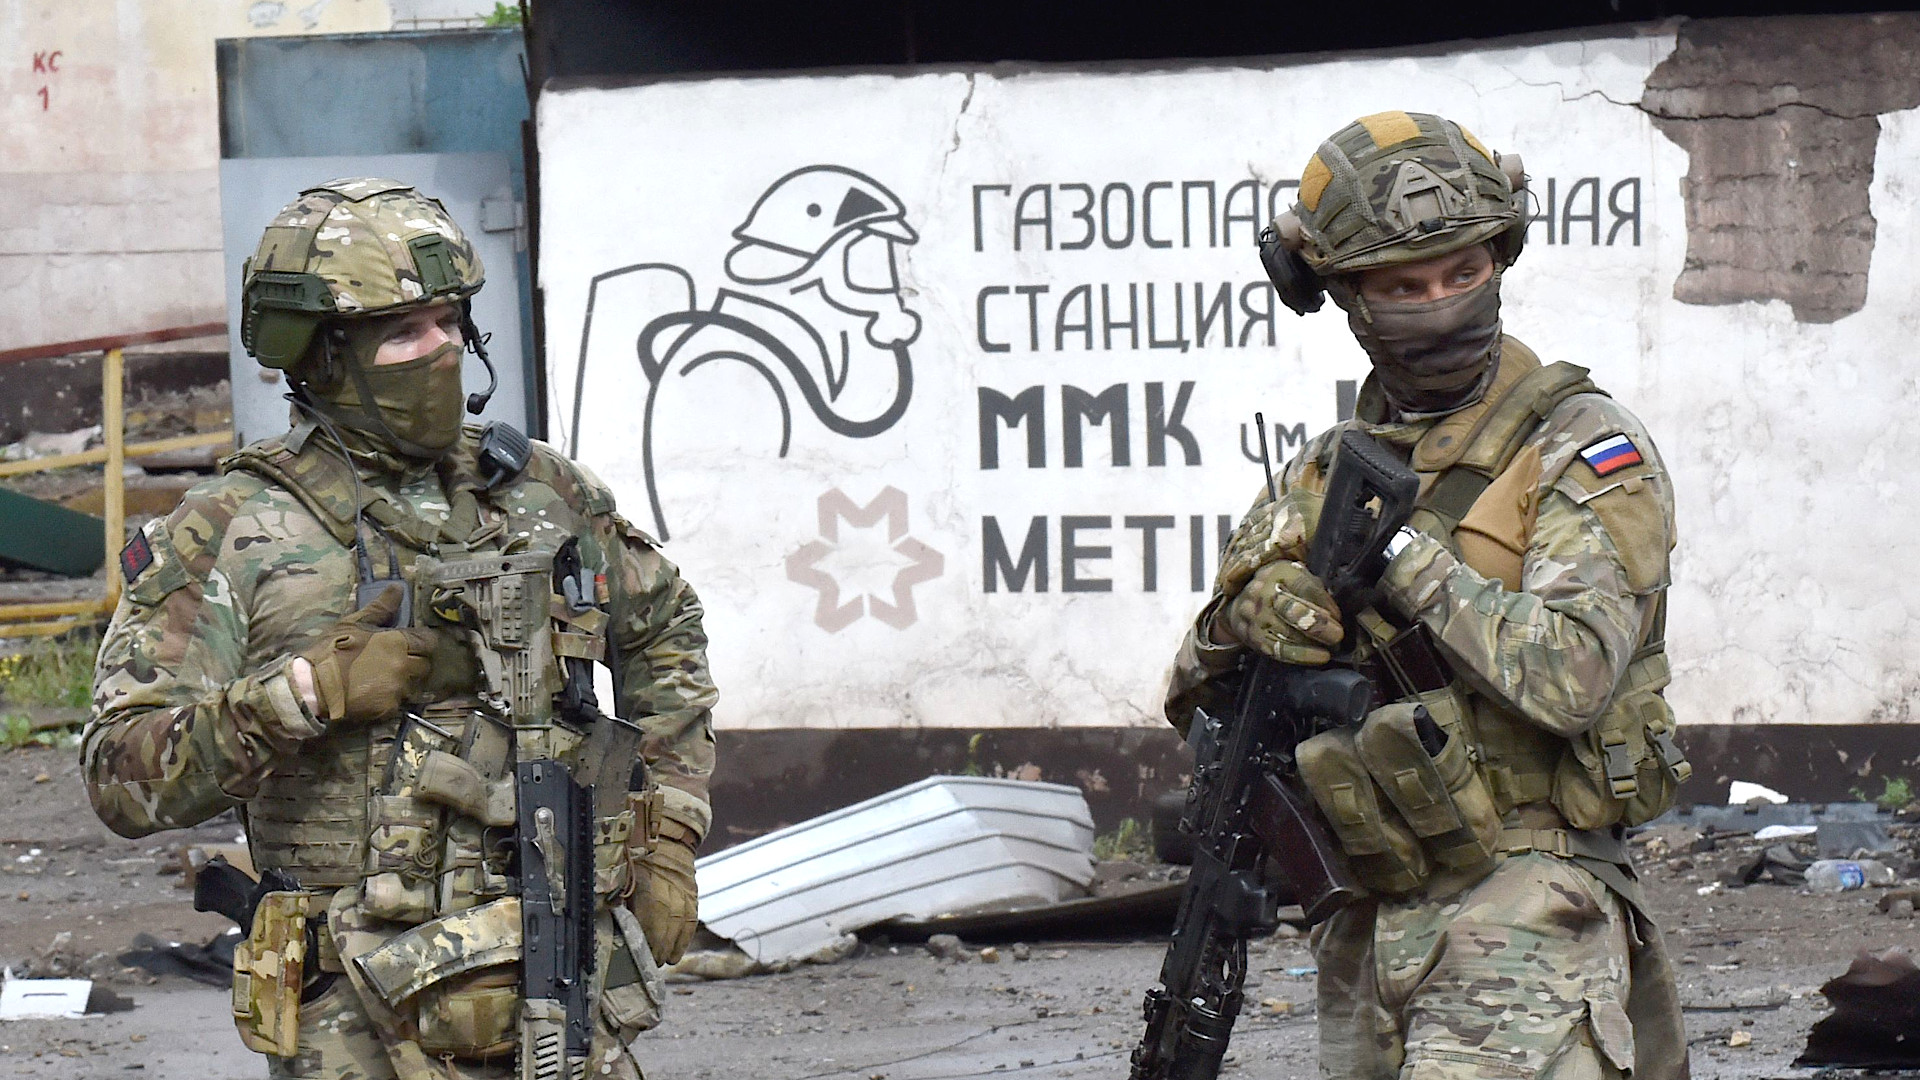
[
  {"x": 1496, "y": 783},
  {"x": 404, "y": 823}
]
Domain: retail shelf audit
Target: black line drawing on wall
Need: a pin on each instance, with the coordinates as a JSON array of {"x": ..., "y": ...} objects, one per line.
[{"x": 814, "y": 306}]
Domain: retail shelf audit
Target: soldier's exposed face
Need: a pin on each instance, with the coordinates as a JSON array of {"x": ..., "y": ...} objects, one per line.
[
  {"x": 1429, "y": 279},
  {"x": 413, "y": 334}
]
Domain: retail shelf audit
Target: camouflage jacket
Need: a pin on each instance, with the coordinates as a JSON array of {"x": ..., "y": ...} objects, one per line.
[
  {"x": 194, "y": 710},
  {"x": 1594, "y": 566}
]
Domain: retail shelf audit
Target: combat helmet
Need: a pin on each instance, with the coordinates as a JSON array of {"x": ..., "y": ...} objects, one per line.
[
  {"x": 1388, "y": 189},
  {"x": 349, "y": 248}
]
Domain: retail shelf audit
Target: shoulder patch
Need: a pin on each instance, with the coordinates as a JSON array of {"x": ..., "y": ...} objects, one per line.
[
  {"x": 1610, "y": 454},
  {"x": 135, "y": 557},
  {"x": 151, "y": 566}
]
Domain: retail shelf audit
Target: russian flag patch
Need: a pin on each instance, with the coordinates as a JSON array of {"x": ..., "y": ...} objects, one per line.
[{"x": 1611, "y": 454}]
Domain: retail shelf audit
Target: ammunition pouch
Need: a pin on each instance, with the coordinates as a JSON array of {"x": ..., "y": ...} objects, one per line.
[
  {"x": 405, "y": 830},
  {"x": 269, "y": 968},
  {"x": 1626, "y": 769},
  {"x": 1383, "y": 852},
  {"x": 1417, "y": 752},
  {"x": 458, "y": 976},
  {"x": 612, "y": 860}
]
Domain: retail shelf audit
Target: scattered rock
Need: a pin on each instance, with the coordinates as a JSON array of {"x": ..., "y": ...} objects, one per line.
[
  {"x": 729, "y": 963},
  {"x": 989, "y": 955},
  {"x": 1022, "y": 952},
  {"x": 1739, "y": 1039},
  {"x": 948, "y": 947},
  {"x": 1901, "y": 908},
  {"x": 833, "y": 951}
]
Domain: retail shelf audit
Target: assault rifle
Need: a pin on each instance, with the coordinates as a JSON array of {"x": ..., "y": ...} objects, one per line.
[
  {"x": 1250, "y": 822},
  {"x": 555, "y": 841}
]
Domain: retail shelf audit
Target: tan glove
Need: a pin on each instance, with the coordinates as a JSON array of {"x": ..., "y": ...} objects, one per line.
[
  {"x": 362, "y": 672},
  {"x": 1270, "y": 532},
  {"x": 665, "y": 898},
  {"x": 1286, "y": 613}
]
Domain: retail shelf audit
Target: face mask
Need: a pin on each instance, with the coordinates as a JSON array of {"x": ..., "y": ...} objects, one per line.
[
  {"x": 415, "y": 407},
  {"x": 1433, "y": 355}
]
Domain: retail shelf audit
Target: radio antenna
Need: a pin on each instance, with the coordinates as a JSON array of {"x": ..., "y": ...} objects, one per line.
[{"x": 1266, "y": 459}]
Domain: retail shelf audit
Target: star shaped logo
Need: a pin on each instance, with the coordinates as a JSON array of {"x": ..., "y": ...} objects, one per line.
[{"x": 878, "y": 570}]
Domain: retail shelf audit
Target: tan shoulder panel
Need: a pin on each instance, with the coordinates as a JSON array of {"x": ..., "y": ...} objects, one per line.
[
  {"x": 1634, "y": 502},
  {"x": 1494, "y": 535}
]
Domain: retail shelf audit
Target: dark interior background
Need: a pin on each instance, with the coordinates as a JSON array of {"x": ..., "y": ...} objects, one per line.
[{"x": 601, "y": 38}]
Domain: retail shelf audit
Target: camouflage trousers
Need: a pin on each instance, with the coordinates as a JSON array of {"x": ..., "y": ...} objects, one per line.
[
  {"x": 1537, "y": 971},
  {"x": 338, "y": 1042}
]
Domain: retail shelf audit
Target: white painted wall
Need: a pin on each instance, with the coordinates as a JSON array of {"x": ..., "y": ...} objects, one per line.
[
  {"x": 109, "y": 154},
  {"x": 1786, "y": 440}
]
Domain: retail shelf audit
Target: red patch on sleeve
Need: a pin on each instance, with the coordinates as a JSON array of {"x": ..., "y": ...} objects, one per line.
[{"x": 135, "y": 557}]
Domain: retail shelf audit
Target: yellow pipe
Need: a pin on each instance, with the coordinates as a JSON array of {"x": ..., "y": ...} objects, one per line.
[
  {"x": 37, "y": 629},
  {"x": 97, "y": 456},
  {"x": 10, "y": 612},
  {"x": 113, "y": 421}
]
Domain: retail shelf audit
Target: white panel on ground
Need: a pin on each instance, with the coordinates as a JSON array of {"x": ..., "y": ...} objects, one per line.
[{"x": 944, "y": 845}]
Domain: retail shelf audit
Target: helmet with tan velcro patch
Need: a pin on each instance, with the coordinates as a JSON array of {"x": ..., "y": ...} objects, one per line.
[
  {"x": 1390, "y": 189},
  {"x": 349, "y": 248}
]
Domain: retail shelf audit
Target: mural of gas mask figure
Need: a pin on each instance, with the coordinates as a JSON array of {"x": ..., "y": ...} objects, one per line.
[{"x": 818, "y": 312}]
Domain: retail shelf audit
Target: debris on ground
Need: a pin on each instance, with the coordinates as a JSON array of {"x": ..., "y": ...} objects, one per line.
[
  {"x": 1876, "y": 1011},
  {"x": 943, "y": 845},
  {"x": 209, "y": 962},
  {"x": 59, "y": 959},
  {"x": 1778, "y": 864},
  {"x": 712, "y": 958}
]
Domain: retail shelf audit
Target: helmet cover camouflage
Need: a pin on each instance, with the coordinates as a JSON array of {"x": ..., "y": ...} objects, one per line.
[
  {"x": 349, "y": 248},
  {"x": 1400, "y": 187}
]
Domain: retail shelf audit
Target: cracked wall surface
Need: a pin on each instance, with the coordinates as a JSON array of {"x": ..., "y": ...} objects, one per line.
[{"x": 1780, "y": 118}]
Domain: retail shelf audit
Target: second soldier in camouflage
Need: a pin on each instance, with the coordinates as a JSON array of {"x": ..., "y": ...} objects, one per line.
[
  {"x": 1506, "y": 935},
  {"x": 263, "y": 658}
]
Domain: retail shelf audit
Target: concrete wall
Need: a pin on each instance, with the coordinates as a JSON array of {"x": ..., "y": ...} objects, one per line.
[
  {"x": 109, "y": 148},
  {"x": 1724, "y": 236}
]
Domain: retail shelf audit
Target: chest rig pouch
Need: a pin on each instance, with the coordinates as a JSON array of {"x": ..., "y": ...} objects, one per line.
[
  {"x": 450, "y": 828},
  {"x": 1447, "y": 767}
]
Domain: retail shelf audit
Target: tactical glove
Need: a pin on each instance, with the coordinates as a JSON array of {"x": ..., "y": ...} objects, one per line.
[
  {"x": 665, "y": 898},
  {"x": 1286, "y": 613},
  {"x": 1272, "y": 531},
  {"x": 363, "y": 672}
]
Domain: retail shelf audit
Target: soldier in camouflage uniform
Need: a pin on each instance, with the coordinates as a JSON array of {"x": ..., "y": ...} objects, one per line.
[
  {"x": 1506, "y": 935},
  {"x": 284, "y": 647}
]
